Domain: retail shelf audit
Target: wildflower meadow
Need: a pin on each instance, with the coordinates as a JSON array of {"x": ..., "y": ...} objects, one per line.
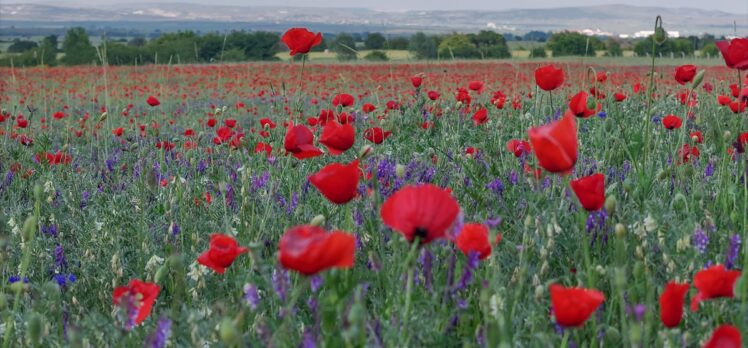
[{"x": 550, "y": 203}]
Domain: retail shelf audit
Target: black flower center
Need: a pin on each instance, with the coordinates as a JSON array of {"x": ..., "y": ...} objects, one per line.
[{"x": 421, "y": 233}]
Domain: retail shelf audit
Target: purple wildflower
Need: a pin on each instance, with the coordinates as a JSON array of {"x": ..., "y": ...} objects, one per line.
[
  {"x": 700, "y": 240},
  {"x": 496, "y": 186},
  {"x": 732, "y": 251},
  {"x": 251, "y": 296},
  {"x": 159, "y": 337}
]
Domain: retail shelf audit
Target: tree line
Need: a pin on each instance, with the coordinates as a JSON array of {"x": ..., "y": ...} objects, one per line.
[{"x": 237, "y": 46}]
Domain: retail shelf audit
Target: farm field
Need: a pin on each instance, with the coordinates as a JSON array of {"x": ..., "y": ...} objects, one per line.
[{"x": 461, "y": 203}]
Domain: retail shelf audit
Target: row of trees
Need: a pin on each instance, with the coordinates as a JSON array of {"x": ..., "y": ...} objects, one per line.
[{"x": 189, "y": 47}]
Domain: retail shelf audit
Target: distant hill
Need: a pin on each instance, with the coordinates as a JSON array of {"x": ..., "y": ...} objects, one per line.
[{"x": 614, "y": 19}]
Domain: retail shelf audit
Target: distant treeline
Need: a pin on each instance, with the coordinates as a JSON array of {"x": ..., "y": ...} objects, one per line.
[{"x": 237, "y": 46}]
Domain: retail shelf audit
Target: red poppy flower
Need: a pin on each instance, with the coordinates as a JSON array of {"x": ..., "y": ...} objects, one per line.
[
  {"x": 480, "y": 117},
  {"x": 337, "y": 138},
  {"x": 686, "y": 152},
  {"x": 223, "y": 250},
  {"x": 723, "y": 100},
  {"x": 138, "y": 295},
  {"x": 416, "y": 81},
  {"x": 555, "y": 144},
  {"x": 474, "y": 238},
  {"x": 22, "y": 122},
  {"x": 672, "y": 122},
  {"x": 376, "y": 135},
  {"x": 685, "y": 73},
  {"x": 58, "y": 158},
  {"x": 337, "y": 182},
  {"x": 735, "y": 53},
  {"x": 697, "y": 137},
  {"x": 498, "y": 99},
  {"x": 602, "y": 76},
  {"x": 572, "y": 306},
  {"x": 57, "y": 115},
  {"x": 738, "y": 106},
  {"x": 152, "y": 101},
  {"x": 267, "y": 122},
  {"x": 671, "y": 303},
  {"x": 343, "y": 99},
  {"x": 590, "y": 191},
  {"x": 263, "y": 147},
  {"x": 713, "y": 282},
  {"x": 619, "y": 97},
  {"x": 118, "y": 132},
  {"x": 299, "y": 142},
  {"x": 426, "y": 211},
  {"x": 231, "y": 123},
  {"x": 310, "y": 250},
  {"x": 518, "y": 147},
  {"x": 476, "y": 86},
  {"x": 725, "y": 336},
  {"x": 368, "y": 107},
  {"x": 300, "y": 40},
  {"x": 433, "y": 95},
  {"x": 549, "y": 77},
  {"x": 579, "y": 106},
  {"x": 211, "y": 122}
]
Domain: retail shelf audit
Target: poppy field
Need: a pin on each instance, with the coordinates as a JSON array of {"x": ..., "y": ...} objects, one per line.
[{"x": 436, "y": 204}]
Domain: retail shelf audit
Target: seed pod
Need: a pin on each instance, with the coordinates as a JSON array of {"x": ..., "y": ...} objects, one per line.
[
  {"x": 229, "y": 334},
  {"x": 318, "y": 220},
  {"x": 29, "y": 227},
  {"x": 34, "y": 326}
]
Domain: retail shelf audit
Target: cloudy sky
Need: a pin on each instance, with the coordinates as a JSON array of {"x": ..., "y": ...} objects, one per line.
[{"x": 733, "y": 6}]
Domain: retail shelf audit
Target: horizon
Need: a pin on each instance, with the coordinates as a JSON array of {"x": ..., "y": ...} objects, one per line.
[{"x": 728, "y": 6}]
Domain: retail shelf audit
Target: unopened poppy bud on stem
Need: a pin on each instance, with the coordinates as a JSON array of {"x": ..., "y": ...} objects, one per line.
[
  {"x": 34, "y": 328},
  {"x": 610, "y": 204},
  {"x": 660, "y": 35},
  {"x": 400, "y": 170},
  {"x": 228, "y": 332},
  {"x": 318, "y": 220},
  {"x": 103, "y": 116},
  {"x": 365, "y": 151},
  {"x": 29, "y": 227},
  {"x": 620, "y": 230},
  {"x": 697, "y": 80}
]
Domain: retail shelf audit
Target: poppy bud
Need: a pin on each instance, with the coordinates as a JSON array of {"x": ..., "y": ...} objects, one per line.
[
  {"x": 659, "y": 37},
  {"x": 34, "y": 328},
  {"x": 697, "y": 80},
  {"x": 17, "y": 287},
  {"x": 727, "y": 134},
  {"x": 228, "y": 332},
  {"x": 218, "y": 111},
  {"x": 176, "y": 261},
  {"x": 400, "y": 170},
  {"x": 612, "y": 334},
  {"x": 539, "y": 292},
  {"x": 161, "y": 273},
  {"x": 365, "y": 151},
  {"x": 591, "y": 104},
  {"x": 610, "y": 204},
  {"x": 29, "y": 227},
  {"x": 103, "y": 116},
  {"x": 620, "y": 230},
  {"x": 318, "y": 220},
  {"x": 38, "y": 193},
  {"x": 51, "y": 291}
]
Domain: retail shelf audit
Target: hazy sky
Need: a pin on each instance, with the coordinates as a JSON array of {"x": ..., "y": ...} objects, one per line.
[{"x": 733, "y": 6}]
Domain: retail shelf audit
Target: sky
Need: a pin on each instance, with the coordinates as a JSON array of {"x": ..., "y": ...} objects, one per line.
[{"x": 732, "y": 6}]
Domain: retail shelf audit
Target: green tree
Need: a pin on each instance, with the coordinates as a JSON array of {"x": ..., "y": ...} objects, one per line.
[
  {"x": 675, "y": 46},
  {"x": 118, "y": 53},
  {"x": 398, "y": 43},
  {"x": 376, "y": 56},
  {"x": 538, "y": 52},
  {"x": 458, "y": 46},
  {"x": 710, "y": 50},
  {"x": 77, "y": 48},
  {"x": 490, "y": 44},
  {"x": 48, "y": 50},
  {"x": 614, "y": 49},
  {"x": 423, "y": 46},
  {"x": 137, "y": 41},
  {"x": 19, "y": 46},
  {"x": 344, "y": 47},
  {"x": 573, "y": 44},
  {"x": 375, "y": 41}
]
